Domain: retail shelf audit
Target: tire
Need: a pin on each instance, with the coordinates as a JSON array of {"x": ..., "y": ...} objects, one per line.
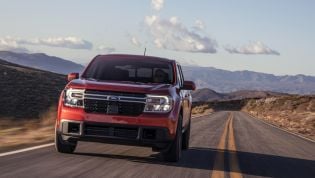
[
  {"x": 64, "y": 146},
  {"x": 186, "y": 136},
  {"x": 174, "y": 153}
]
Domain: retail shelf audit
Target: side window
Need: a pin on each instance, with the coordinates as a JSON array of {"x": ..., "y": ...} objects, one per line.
[{"x": 179, "y": 76}]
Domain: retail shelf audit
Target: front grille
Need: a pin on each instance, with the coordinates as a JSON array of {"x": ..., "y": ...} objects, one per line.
[
  {"x": 109, "y": 107},
  {"x": 110, "y": 131},
  {"x": 114, "y": 103}
]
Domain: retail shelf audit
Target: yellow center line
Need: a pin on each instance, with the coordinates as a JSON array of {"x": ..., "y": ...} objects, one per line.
[
  {"x": 234, "y": 166},
  {"x": 218, "y": 167}
]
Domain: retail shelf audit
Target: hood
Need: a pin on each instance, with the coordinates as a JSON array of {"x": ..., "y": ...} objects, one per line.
[{"x": 130, "y": 87}]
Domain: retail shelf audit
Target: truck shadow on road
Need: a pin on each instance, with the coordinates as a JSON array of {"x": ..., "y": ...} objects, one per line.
[{"x": 250, "y": 163}]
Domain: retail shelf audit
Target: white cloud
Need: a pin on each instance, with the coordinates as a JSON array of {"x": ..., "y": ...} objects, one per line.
[
  {"x": 174, "y": 20},
  {"x": 106, "y": 49},
  {"x": 11, "y": 44},
  {"x": 173, "y": 35},
  {"x": 135, "y": 41},
  {"x": 63, "y": 42},
  {"x": 157, "y": 4},
  {"x": 256, "y": 47},
  {"x": 149, "y": 20},
  {"x": 199, "y": 25}
]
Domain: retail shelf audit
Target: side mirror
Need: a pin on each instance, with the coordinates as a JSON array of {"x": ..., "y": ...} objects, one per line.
[
  {"x": 73, "y": 76},
  {"x": 189, "y": 85}
]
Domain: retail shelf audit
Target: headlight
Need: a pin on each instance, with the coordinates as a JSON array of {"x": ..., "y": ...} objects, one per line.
[
  {"x": 155, "y": 103},
  {"x": 74, "y": 98}
]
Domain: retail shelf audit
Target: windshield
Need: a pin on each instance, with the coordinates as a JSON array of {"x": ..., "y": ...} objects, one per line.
[{"x": 130, "y": 70}]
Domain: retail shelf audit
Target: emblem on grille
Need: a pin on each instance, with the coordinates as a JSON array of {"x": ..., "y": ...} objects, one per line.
[{"x": 113, "y": 98}]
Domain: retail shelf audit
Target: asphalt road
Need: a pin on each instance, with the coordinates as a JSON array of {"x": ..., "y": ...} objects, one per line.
[{"x": 224, "y": 144}]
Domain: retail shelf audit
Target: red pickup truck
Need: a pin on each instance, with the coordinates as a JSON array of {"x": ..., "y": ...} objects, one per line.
[{"x": 127, "y": 99}]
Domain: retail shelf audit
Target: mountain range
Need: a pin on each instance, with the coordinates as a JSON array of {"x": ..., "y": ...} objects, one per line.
[
  {"x": 222, "y": 81},
  {"x": 42, "y": 61},
  {"x": 225, "y": 81}
]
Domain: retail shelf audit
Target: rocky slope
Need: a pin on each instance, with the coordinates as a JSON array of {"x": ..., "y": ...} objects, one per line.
[
  {"x": 294, "y": 113},
  {"x": 27, "y": 92}
]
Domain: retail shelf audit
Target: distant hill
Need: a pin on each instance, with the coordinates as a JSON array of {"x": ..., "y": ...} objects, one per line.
[
  {"x": 206, "y": 94},
  {"x": 27, "y": 92},
  {"x": 42, "y": 61},
  {"x": 224, "y": 81}
]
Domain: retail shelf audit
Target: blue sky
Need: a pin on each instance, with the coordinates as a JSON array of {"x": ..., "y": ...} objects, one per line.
[{"x": 263, "y": 35}]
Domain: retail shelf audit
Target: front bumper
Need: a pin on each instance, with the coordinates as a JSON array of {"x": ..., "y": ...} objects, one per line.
[
  {"x": 166, "y": 120},
  {"x": 157, "y": 137}
]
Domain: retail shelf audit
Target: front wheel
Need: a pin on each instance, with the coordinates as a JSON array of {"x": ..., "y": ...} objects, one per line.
[
  {"x": 64, "y": 146},
  {"x": 173, "y": 154},
  {"x": 186, "y": 136}
]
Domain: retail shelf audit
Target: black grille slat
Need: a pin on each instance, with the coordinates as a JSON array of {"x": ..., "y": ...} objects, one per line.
[
  {"x": 110, "y": 131},
  {"x": 97, "y": 106},
  {"x": 100, "y": 131},
  {"x": 126, "y": 133}
]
